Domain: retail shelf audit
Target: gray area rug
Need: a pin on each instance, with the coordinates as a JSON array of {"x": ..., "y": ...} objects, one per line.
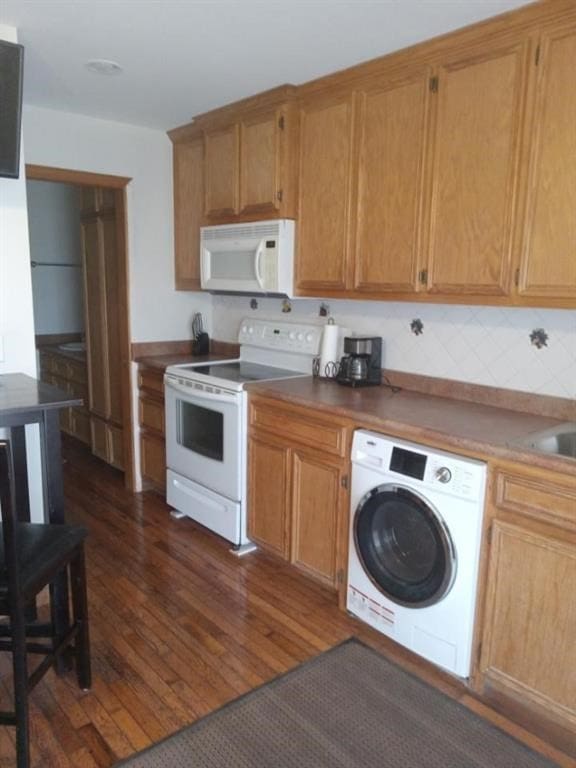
[{"x": 347, "y": 708}]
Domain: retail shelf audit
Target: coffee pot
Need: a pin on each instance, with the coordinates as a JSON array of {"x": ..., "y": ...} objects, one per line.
[{"x": 362, "y": 361}]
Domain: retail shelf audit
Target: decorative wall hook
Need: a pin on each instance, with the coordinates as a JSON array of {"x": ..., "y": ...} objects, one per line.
[
  {"x": 286, "y": 306},
  {"x": 253, "y": 303},
  {"x": 417, "y": 326},
  {"x": 539, "y": 338}
]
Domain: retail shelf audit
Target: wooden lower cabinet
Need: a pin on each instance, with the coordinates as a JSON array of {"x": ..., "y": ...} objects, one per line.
[
  {"x": 107, "y": 441},
  {"x": 316, "y": 506},
  {"x": 151, "y": 420},
  {"x": 297, "y": 494},
  {"x": 528, "y": 657},
  {"x": 70, "y": 375},
  {"x": 269, "y": 490},
  {"x": 153, "y": 459}
]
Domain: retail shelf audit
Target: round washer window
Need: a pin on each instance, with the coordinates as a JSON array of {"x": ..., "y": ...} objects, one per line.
[{"x": 404, "y": 546}]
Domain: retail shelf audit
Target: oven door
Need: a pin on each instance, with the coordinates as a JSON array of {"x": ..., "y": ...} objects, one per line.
[{"x": 204, "y": 436}]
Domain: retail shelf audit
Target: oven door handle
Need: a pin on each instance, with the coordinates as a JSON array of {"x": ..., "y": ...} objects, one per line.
[{"x": 198, "y": 394}]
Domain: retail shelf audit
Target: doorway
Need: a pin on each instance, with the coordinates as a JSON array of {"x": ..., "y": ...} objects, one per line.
[{"x": 87, "y": 294}]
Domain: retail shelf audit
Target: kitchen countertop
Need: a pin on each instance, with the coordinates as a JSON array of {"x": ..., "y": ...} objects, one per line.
[
  {"x": 472, "y": 428},
  {"x": 71, "y": 355}
]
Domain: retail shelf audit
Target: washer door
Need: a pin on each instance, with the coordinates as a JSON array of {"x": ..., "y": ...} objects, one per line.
[{"x": 404, "y": 546}]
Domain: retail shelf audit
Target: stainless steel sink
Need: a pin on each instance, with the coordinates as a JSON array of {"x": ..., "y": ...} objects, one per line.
[{"x": 560, "y": 440}]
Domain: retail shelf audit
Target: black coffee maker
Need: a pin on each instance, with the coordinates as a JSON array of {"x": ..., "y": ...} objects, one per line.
[{"x": 362, "y": 362}]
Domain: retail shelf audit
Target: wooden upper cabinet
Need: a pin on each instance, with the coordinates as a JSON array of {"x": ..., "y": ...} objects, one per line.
[
  {"x": 260, "y": 184},
  {"x": 249, "y": 159},
  {"x": 221, "y": 171},
  {"x": 325, "y": 172},
  {"x": 391, "y": 184},
  {"x": 548, "y": 261},
  {"x": 188, "y": 159},
  {"x": 476, "y": 146}
]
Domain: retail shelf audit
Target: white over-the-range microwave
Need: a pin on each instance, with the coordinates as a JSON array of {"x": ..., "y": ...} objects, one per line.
[{"x": 256, "y": 257}]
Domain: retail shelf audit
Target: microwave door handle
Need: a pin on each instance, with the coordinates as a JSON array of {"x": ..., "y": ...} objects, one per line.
[
  {"x": 258, "y": 262},
  {"x": 199, "y": 394}
]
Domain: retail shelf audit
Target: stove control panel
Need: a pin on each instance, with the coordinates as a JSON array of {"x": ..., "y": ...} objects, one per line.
[{"x": 280, "y": 335}]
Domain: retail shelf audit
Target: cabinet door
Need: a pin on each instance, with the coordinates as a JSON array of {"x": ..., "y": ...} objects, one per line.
[
  {"x": 316, "y": 503},
  {"x": 188, "y": 211},
  {"x": 476, "y": 145},
  {"x": 530, "y": 625},
  {"x": 268, "y": 501},
  {"x": 221, "y": 164},
  {"x": 99, "y": 438},
  {"x": 391, "y": 177},
  {"x": 95, "y": 313},
  {"x": 153, "y": 458},
  {"x": 111, "y": 281},
  {"x": 260, "y": 185},
  {"x": 548, "y": 265},
  {"x": 322, "y": 263}
]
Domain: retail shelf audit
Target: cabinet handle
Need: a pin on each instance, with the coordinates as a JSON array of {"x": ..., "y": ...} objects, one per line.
[
  {"x": 423, "y": 276},
  {"x": 344, "y": 481},
  {"x": 279, "y": 195},
  {"x": 517, "y": 277}
]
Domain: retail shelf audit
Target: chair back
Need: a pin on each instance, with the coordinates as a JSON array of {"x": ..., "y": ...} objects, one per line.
[{"x": 9, "y": 565}]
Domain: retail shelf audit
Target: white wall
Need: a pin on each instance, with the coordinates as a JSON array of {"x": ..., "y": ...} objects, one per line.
[
  {"x": 54, "y": 227},
  {"x": 17, "y": 348},
  {"x": 77, "y": 142},
  {"x": 483, "y": 345}
]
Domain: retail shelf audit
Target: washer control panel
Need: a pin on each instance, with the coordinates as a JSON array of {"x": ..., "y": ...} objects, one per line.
[{"x": 422, "y": 466}]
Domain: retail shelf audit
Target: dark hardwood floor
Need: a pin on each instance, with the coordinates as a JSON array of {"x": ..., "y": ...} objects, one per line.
[{"x": 179, "y": 626}]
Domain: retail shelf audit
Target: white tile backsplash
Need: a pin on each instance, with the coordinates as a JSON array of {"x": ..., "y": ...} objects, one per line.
[{"x": 481, "y": 345}]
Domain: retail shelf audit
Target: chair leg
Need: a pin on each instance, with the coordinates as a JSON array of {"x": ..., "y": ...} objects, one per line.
[
  {"x": 80, "y": 609},
  {"x": 60, "y": 616},
  {"x": 20, "y": 669}
]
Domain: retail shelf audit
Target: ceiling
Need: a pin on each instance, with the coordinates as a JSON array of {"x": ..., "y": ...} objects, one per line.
[{"x": 183, "y": 57}]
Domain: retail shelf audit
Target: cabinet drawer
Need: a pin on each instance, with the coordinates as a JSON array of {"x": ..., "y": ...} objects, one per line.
[
  {"x": 153, "y": 458},
  {"x": 152, "y": 381},
  {"x": 546, "y": 499},
  {"x": 46, "y": 363},
  {"x": 79, "y": 389},
  {"x": 60, "y": 367},
  {"x": 77, "y": 372},
  {"x": 326, "y": 436},
  {"x": 151, "y": 414}
]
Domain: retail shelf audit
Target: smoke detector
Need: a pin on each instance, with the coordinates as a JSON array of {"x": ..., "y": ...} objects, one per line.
[{"x": 103, "y": 67}]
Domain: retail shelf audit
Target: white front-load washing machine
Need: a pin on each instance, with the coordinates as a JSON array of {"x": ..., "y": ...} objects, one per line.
[{"x": 415, "y": 532}]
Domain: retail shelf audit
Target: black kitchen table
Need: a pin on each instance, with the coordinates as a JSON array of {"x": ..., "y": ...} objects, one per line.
[{"x": 23, "y": 401}]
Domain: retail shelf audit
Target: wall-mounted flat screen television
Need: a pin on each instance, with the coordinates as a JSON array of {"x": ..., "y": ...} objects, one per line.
[{"x": 11, "y": 76}]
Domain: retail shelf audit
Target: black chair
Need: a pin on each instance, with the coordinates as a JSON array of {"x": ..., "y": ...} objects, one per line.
[{"x": 33, "y": 556}]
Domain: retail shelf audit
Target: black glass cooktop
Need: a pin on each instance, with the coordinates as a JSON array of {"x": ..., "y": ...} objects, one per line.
[{"x": 241, "y": 372}]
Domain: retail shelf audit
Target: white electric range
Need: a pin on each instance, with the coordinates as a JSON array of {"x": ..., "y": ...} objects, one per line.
[{"x": 207, "y": 426}]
